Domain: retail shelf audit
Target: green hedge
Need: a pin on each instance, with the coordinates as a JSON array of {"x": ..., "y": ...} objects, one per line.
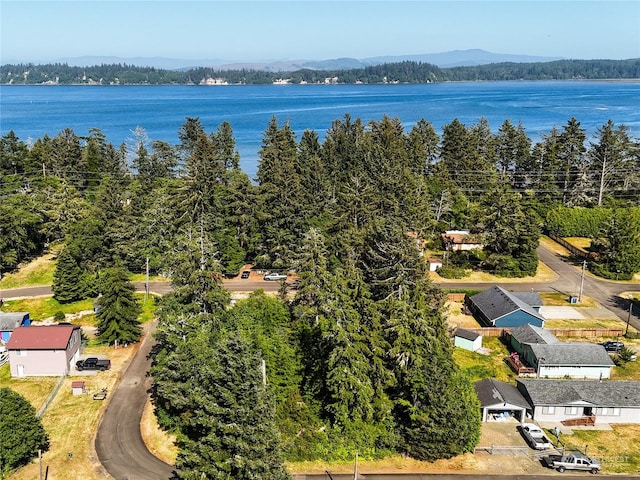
[{"x": 578, "y": 221}]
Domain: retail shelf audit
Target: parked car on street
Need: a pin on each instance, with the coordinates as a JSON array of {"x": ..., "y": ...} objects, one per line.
[
  {"x": 612, "y": 346},
  {"x": 275, "y": 276},
  {"x": 245, "y": 274}
]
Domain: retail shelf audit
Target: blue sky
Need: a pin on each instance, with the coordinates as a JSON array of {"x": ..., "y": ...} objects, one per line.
[{"x": 243, "y": 30}]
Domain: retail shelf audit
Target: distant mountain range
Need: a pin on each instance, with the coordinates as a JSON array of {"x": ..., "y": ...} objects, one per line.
[{"x": 456, "y": 58}]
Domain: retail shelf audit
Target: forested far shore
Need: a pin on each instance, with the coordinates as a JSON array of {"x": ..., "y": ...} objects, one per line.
[{"x": 400, "y": 72}]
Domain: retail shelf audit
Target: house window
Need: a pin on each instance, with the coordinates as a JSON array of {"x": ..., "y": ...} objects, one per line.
[
  {"x": 570, "y": 410},
  {"x": 608, "y": 411},
  {"x": 21, "y": 353},
  {"x": 548, "y": 410}
]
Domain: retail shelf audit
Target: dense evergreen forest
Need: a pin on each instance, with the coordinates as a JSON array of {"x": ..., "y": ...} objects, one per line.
[
  {"x": 358, "y": 357},
  {"x": 401, "y": 72}
]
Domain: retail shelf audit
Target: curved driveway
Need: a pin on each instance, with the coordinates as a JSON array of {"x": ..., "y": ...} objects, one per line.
[{"x": 119, "y": 444}]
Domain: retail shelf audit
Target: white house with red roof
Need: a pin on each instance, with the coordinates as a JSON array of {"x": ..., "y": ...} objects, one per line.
[{"x": 38, "y": 351}]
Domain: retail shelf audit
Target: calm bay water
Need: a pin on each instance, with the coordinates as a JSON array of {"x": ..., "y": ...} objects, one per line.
[{"x": 33, "y": 111}]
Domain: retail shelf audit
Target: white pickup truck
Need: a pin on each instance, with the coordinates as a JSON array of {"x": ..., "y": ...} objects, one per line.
[
  {"x": 534, "y": 436},
  {"x": 275, "y": 276},
  {"x": 573, "y": 461}
]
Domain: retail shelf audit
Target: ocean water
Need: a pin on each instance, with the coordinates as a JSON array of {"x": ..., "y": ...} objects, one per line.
[{"x": 33, "y": 111}]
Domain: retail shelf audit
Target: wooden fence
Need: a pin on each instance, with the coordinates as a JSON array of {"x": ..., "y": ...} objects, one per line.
[
  {"x": 587, "y": 332},
  {"x": 577, "y": 251},
  {"x": 558, "y": 332},
  {"x": 456, "y": 297},
  {"x": 489, "y": 331}
]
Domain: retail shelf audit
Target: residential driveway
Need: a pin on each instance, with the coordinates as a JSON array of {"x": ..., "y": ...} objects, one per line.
[
  {"x": 503, "y": 434},
  {"x": 577, "y": 313},
  {"x": 119, "y": 443},
  {"x": 561, "y": 313}
]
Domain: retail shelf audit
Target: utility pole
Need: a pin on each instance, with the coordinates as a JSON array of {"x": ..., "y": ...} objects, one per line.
[
  {"x": 584, "y": 266},
  {"x": 146, "y": 285},
  {"x": 629, "y": 316}
]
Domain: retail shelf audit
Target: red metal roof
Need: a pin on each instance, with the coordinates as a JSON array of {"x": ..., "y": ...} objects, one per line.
[
  {"x": 51, "y": 337},
  {"x": 77, "y": 384}
]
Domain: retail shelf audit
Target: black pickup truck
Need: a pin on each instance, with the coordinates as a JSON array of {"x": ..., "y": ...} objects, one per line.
[{"x": 93, "y": 363}]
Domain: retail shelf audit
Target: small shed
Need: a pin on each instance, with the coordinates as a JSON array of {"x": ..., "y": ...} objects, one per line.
[
  {"x": 77, "y": 388},
  {"x": 434, "y": 264},
  {"x": 467, "y": 339}
]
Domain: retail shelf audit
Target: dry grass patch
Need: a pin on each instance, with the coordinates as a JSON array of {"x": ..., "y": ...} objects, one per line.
[
  {"x": 42, "y": 308},
  {"x": 562, "y": 300},
  {"x": 72, "y": 421},
  {"x": 610, "y": 323},
  {"x": 394, "y": 464},
  {"x": 34, "y": 389},
  {"x": 456, "y": 317},
  {"x": 618, "y": 450},
  {"x": 580, "y": 242},
  {"x": 159, "y": 442},
  {"x": 553, "y": 246},
  {"x": 462, "y": 464},
  {"x": 35, "y": 273}
]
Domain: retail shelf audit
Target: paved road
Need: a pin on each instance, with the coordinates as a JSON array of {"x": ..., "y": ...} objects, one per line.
[
  {"x": 161, "y": 288},
  {"x": 119, "y": 444}
]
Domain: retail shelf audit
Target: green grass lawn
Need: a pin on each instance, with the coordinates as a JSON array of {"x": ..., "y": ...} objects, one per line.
[
  {"x": 479, "y": 366},
  {"x": 40, "y": 308}
]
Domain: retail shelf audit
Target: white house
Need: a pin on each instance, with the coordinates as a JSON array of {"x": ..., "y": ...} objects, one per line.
[
  {"x": 600, "y": 402},
  {"x": 434, "y": 264},
  {"x": 568, "y": 360},
  {"x": 460, "y": 240}
]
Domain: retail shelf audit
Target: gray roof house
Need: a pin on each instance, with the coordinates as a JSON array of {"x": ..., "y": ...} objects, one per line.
[
  {"x": 573, "y": 360},
  {"x": 9, "y": 321},
  {"x": 497, "y": 307},
  {"x": 609, "y": 401},
  {"x": 500, "y": 400},
  {"x": 530, "y": 334}
]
